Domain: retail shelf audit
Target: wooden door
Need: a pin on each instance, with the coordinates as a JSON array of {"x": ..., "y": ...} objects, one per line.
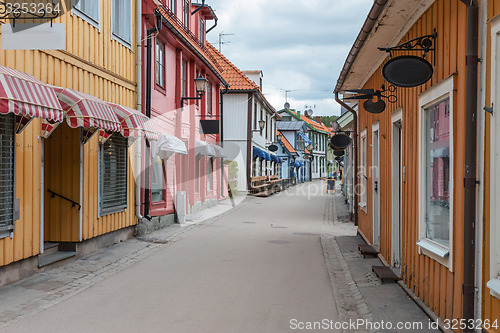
[{"x": 62, "y": 185}]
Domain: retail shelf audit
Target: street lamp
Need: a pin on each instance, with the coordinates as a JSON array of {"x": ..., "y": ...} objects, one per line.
[
  {"x": 200, "y": 84},
  {"x": 262, "y": 124}
]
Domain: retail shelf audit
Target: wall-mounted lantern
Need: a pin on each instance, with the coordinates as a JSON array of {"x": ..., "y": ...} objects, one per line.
[
  {"x": 200, "y": 84},
  {"x": 408, "y": 70}
]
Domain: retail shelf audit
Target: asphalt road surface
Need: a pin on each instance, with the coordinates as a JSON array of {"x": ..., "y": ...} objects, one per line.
[{"x": 255, "y": 269}]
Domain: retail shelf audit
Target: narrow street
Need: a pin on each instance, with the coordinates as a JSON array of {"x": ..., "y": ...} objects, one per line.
[{"x": 254, "y": 269}]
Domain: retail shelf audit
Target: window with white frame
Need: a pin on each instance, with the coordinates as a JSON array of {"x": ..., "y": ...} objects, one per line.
[
  {"x": 172, "y": 4},
  {"x": 210, "y": 170},
  {"x": 494, "y": 283},
  {"x": 209, "y": 98},
  {"x": 160, "y": 64},
  {"x": 158, "y": 180},
  {"x": 7, "y": 136},
  {"x": 186, "y": 13},
  {"x": 184, "y": 73},
  {"x": 113, "y": 175},
  {"x": 362, "y": 190},
  {"x": 436, "y": 172},
  {"x": 202, "y": 31},
  {"x": 89, "y": 10},
  {"x": 121, "y": 20}
]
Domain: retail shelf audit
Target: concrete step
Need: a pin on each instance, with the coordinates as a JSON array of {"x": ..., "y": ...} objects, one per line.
[
  {"x": 50, "y": 247},
  {"x": 51, "y": 258}
]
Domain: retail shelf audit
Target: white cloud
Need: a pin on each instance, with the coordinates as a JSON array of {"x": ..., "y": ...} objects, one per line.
[{"x": 300, "y": 45}]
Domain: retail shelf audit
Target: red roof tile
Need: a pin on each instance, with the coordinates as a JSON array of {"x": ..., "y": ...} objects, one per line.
[
  {"x": 287, "y": 144},
  {"x": 236, "y": 79}
]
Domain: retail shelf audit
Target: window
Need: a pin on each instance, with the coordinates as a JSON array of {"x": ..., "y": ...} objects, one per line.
[
  {"x": 172, "y": 4},
  {"x": 88, "y": 10},
  {"x": 113, "y": 175},
  {"x": 202, "y": 31},
  {"x": 160, "y": 64},
  {"x": 362, "y": 190},
  {"x": 184, "y": 69},
  {"x": 186, "y": 13},
  {"x": 158, "y": 180},
  {"x": 121, "y": 20},
  {"x": 255, "y": 115},
  {"x": 436, "y": 172},
  {"x": 209, "y": 98},
  {"x": 6, "y": 174},
  {"x": 210, "y": 170},
  {"x": 494, "y": 283},
  {"x": 197, "y": 161}
]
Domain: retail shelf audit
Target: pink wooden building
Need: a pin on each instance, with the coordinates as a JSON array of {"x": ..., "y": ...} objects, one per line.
[{"x": 186, "y": 162}]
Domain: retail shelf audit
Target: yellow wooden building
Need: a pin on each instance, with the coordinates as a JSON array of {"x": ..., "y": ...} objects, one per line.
[
  {"x": 53, "y": 177},
  {"x": 412, "y": 156}
]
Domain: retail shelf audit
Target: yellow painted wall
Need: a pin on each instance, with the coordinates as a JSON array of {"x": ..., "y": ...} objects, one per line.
[
  {"x": 432, "y": 282},
  {"x": 92, "y": 63}
]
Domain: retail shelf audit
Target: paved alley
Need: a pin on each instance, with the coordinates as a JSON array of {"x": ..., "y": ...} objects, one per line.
[{"x": 259, "y": 268}]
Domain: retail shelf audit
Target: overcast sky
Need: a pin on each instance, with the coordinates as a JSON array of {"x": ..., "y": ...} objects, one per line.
[{"x": 300, "y": 45}]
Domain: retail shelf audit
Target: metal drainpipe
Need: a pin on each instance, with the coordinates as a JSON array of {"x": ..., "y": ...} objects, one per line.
[
  {"x": 149, "y": 46},
  {"x": 355, "y": 153},
  {"x": 199, "y": 8},
  {"x": 470, "y": 177},
  {"x": 138, "y": 159}
]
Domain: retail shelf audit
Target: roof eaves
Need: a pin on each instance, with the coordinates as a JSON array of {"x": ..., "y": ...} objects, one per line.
[{"x": 192, "y": 44}]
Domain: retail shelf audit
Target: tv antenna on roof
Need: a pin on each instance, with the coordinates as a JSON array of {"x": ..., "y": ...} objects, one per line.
[{"x": 221, "y": 41}]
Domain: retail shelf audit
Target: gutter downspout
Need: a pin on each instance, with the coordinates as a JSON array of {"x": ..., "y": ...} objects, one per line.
[
  {"x": 138, "y": 149},
  {"x": 149, "y": 46},
  {"x": 212, "y": 27},
  {"x": 221, "y": 96},
  {"x": 355, "y": 154},
  {"x": 470, "y": 173},
  {"x": 199, "y": 8}
]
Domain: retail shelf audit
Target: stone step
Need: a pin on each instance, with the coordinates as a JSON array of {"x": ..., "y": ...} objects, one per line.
[{"x": 48, "y": 259}]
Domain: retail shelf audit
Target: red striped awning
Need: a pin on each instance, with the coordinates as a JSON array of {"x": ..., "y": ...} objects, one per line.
[
  {"x": 134, "y": 124},
  {"x": 87, "y": 111},
  {"x": 27, "y": 97}
]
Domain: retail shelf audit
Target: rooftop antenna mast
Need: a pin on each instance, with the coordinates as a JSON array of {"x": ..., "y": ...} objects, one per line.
[{"x": 221, "y": 41}]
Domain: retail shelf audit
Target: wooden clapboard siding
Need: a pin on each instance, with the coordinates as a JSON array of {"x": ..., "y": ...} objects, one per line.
[
  {"x": 92, "y": 63},
  {"x": 432, "y": 282}
]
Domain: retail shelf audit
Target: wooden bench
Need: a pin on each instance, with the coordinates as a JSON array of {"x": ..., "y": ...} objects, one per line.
[
  {"x": 259, "y": 186},
  {"x": 275, "y": 183}
]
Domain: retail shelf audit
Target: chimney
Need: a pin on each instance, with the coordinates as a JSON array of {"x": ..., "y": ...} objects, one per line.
[
  {"x": 298, "y": 114},
  {"x": 318, "y": 119}
]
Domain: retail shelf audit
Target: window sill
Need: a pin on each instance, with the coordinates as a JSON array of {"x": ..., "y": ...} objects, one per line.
[
  {"x": 86, "y": 18},
  {"x": 160, "y": 89},
  {"x": 494, "y": 286},
  {"x": 435, "y": 251},
  {"x": 122, "y": 41},
  {"x": 6, "y": 233}
]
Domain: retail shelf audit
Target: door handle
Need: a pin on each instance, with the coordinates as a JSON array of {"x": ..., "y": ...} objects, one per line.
[{"x": 376, "y": 186}]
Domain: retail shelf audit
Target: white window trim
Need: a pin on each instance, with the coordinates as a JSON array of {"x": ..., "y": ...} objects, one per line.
[
  {"x": 396, "y": 189},
  {"x": 119, "y": 39},
  {"x": 363, "y": 134},
  {"x": 494, "y": 283},
  {"x": 441, "y": 91},
  {"x": 85, "y": 17}
]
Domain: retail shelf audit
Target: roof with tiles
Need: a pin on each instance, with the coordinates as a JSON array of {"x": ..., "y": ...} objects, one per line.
[
  {"x": 286, "y": 143},
  {"x": 237, "y": 80},
  {"x": 188, "y": 37},
  {"x": 311, "y": 123}
]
